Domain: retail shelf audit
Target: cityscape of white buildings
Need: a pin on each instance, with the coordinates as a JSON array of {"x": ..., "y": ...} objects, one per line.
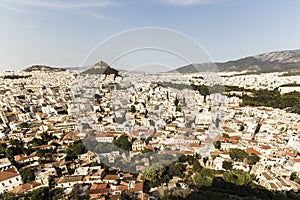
[{"x": 166, "y": 120}]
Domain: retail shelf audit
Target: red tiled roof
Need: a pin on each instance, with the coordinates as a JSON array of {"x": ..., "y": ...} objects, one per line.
[
  {"x": 9, "y": 173},
  {"x": 111, "y": 177},
  {"x": 265, "y": 147},
  {"x": 253, "y": 151},
  {"x": 296, "y": 160},
  {"x": 194, "y": 145},
  {"x": 188, "y": 152},
  {"x": 149, "y": 146},
  {"x": 138, "y": 187},
  {"x": 25, "y": 187},
  {"x": 116, "y": 197},
  {"x": 96, "y": 186}
]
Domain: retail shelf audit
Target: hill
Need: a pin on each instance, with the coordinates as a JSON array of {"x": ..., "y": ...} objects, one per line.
[
  {"x": 43, "y": 68},
  {"x": 267, "y": 62},
  {"x": 101, "y": 68}
]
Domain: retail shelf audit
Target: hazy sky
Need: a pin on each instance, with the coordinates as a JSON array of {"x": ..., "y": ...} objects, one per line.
[{"x": 63, "y": 32}]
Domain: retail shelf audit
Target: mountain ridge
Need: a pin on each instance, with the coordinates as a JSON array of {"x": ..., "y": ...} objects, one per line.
[{"x": 276, "y": 61}]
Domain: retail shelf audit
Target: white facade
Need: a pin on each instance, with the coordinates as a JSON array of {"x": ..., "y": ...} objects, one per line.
[{"x": 9, "y": 179}]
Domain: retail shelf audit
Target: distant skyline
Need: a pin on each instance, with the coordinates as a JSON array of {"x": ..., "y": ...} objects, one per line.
[{"x": 62, "y": 33}]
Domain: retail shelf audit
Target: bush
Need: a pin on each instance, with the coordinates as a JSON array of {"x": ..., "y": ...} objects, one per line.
[{"x": 27, "y": 175}]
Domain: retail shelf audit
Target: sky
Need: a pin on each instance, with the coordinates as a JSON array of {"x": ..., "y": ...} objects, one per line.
[{"x": 63, "y": 33}]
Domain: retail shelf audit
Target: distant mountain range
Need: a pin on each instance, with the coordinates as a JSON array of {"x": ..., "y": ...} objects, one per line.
[
  {"x": 267, "y": 62},
  {"x": 279, "y": 61}
]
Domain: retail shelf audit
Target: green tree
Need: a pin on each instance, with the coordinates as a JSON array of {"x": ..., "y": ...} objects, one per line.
[
  {"x": 27, "y": 175},
  {"x": 40, "y": 193},
  {"x": 56, "y": 194},
  {"x": 76, "y": 149},
  {"x": 46, "y": 137},
  {"x": 242, "y": 127},
  {"x": 123, "y": 143},
  {"x": 3, "y": 150},
  {"x": 177, "y": 169},
  {"x": 8, "y": 196},
  {"x": 204, "y": 178},
  {"x": 24, "y": 125},
  {"x": 178, "y": 108},
  {"x": 13, "y": 151},
  {"x": 294, "y": 177},
  {"x": 201, "y": 181},
  {"x": 196, "y": 166},
  {"x": 132, "y": 109},
  {"x": 36, "y": 142},
  {"x": 227, "y": 165},
  {"x": 238, "y": 154},
  {"x": 238, "y": 177},
  {"x": 182, "y": 158},
  {"x": 257, "y": 129},
  {"x": 15, "y": 142},
  {"x": 252, "y": 159},
  {"x": 202, "y": 89},
  {"x": 217, "y": 144},
  {"x": 205, "y": 159},
  {"x": 176, "y": 101},
  {"x": 190, "y": 159},
  {"x": 46, "y": 158},
  {"x": 154, "y": 177},
  {"x": 207, "y": 172}
]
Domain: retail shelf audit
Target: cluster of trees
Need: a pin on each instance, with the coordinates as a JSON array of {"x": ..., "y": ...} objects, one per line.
[
  {"x": 157, "y": 177},
  {"x": 173, "y": 85},
  {"x": 238, "y": 177},
  {"x": 205, "y": 90},
  {"x": 204, "y": 178},
  {"x": 123, "y": 143},
  {"x": 44, "y": 193},
  {"x": 46, "y": 137},
  {"x": 268, "y": 98},
  {"x": 234, "y": 184},
  {"x": 242, "y": 156},
  {"x": 290, "y": 101},
  {"x": 76, "y": 149},
  {"x": 17, "y": 147},
  {"x": 27, "y": 175},
  {"x": 16, "y": 76},
  {"x": 221, "y": 189},
  {"x": 202, "y": 89},
  {"x": 25, "y": 125}
]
